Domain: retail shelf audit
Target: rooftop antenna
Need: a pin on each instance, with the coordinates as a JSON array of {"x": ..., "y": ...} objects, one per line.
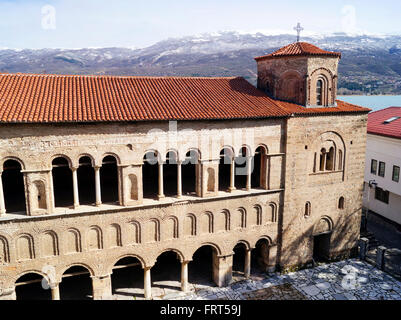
[{"x": 298, "y": 29}]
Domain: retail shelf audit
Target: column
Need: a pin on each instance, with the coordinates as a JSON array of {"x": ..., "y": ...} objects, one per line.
[
  {"x": 247, "y": 268},
  {"x": 184, "y": 276},
  {"x": 179, "y": 180},
  {"x": 248, "y": 172},
  {"x": 232, "y": 176},
  {"x": 222, "y": 270},
  {"x": 2, "y": 204},
  {"x": 97, "y": 183},
  {"x": 101, "y": 286},
  {"x": 75, "y": 187},
  {"x": 147, "y": 284},
  {"x": 161, "y": 190},
  {"x": 55, "y": 291}
]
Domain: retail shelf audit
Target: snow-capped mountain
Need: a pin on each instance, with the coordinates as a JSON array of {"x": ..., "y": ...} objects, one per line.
[{"x": 372, "y": 60}]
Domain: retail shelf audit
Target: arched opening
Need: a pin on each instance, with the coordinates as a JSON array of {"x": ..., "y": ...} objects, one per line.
[
  {"x": 170, "y": 174},
  {"x": 109, "y": 180},
  {"x": 330, "y": 159},
  {"x": 258, "y": 168},
  {"x": 190, "y": 168},
  {"x": 226, "y": 156},
  {"x": 150, "y": 175},
  {"x": 86, "y": 181},
  {"x": 76, "y": 284},
  {"x": 260, "y": 257},
  {"x": 166, "y": 273},
  {"x": 127, "y": 278},
  {"x": 13, "y": 187},
  {"x": 32, "y": 286},
  {"x": 239, "y": 260},
  {"x": 308, "y": 209},
  {"x": 241, "y": 170},
  {"x": 319, "y": 92},
  {"x": 322, "y": 159},
  {"x": 341, "y": 203},
  {"x": 321, "y": 240},
  {"x": 201, "y": 268},
  {"x": 62, "y": 182}
]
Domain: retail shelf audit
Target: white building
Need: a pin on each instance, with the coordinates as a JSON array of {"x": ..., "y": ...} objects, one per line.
[{"x": 382, "y": 188}]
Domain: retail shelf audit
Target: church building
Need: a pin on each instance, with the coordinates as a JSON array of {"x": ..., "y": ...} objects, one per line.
[{"x": 101, "y": 174}]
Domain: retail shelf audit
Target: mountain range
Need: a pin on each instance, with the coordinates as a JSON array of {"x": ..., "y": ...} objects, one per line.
[{"x": 370, "y": 64}]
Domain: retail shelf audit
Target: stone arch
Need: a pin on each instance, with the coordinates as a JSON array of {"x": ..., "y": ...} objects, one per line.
[
  {"x": 115, "y": 235},
  {"x": 49, "y": 244},
  {"x": 14, "y": 186},
  {"x": 95, "y": 238},
  {"x": 273, "y": 212},
  {"x": 25, "y": 247},
  {"x": 324, "y": 225},
  {"x": 77, "y": 264},
  {"x": 211, "y": 244},
  {"x": 22, "y": 164},
  {"x": 4, "y": 251},
  {"x": 226, "y": 161},
  {"x": 190, "y": 225},
  {"x": 60, "y": 155},
  {"x": 128, "y": 255},
  {"x": 62, "y": 181},
  {"x": 239, "y": 218},
  {"x": 150, "y": 174},
  {"x": 178, "y": 252},
  {"x": 246, "y": 243},
  {"x": 341, "y": 203},
  {"x": 92, "y": 159},
  {"x": 222, "y": 222},
  {"x": 110, "y": 178},
  {"x": 256, "y": 217},
  {"x": 73, "y": 241},
  {"x": 112, "y": 154},
  {"x": 328, "y": 90},
  {"x": 264, "y": 237},
  {"x": 40, "y": 273},
  {"x": 206, "y": 223},
  {"x": 152, "y": 230},
  {"x": 135, "y": 236},
  {"x": 171, "y": 227}
]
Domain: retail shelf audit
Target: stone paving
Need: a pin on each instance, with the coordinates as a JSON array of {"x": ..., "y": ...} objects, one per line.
[{"x": 345, "y": 280}]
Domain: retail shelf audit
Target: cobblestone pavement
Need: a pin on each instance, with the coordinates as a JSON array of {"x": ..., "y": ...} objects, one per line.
[{"x": 345, "y": 280}]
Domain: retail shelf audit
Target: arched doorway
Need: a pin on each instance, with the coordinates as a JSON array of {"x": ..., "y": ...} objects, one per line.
[
  {"x": 170, "y": 174},
  {"x": 86, "y": 181},
  {"x": 30, "y": 287},
  {"x": 241, "y": 170},
  {"x": 127, "y": 278},
  {"x": 258, "y": 168},
  {"x": 166, "y": 273},
  {"x": 76, "y": 284},
  {"x": 260, "y": 257},
  {"x": 190, "y": 168},
  {"x": 109, "y": 180},
  {"x": 201, "y": 268},
  {"x": 226, "y": 159},
  {"x": 239, "y": 263},
  {"x": 13, "y": 187},
  {"x": 321, "y": 240},
  {"x": 62, "y": 182},
  {"x": 150, "y": 175}
]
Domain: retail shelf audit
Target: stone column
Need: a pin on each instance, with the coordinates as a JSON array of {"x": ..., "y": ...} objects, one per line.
[
  {"x": 184, "y": 276},
  {"x": 363, "y": 248},
  {"x": 222, "y": 269},
  {"x": 179, "y": 180},
  {"x": 55, "y": 292},
  {"x": 248, "y": 172},
  {"x": 2, "y": 203},
  {"x": 147, "y": 284},
  {"x": 97, "y": 185},
  {"x": 232, "y": 175},
  {"x": 101, "y": 286},
  {"x": 75, "y": 187},
  {"x": 381, "y": 250},
  {"x": 271, "y": 267},
  {"x": 160, "y": 194},
  {"x": 247, "y": 268}
]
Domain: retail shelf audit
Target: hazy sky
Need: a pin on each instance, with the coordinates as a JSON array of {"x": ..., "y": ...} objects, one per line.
[{"x": 134, "y": 23}]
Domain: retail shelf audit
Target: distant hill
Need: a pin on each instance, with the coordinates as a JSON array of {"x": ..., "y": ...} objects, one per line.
[{"x": 370, "y": 64}]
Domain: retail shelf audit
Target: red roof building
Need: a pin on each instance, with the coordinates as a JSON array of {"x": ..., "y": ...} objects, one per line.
[{"x": 386, "y": 122}]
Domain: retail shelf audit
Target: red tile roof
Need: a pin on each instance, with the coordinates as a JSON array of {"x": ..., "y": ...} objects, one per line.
[
  {"x": 377, "y": 125},
  {"x": 60, "y": 98},
  {"x": 299, "y": 49}
]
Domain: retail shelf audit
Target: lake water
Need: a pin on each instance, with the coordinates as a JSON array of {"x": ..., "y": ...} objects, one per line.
[{"x": 373, "y": 102}]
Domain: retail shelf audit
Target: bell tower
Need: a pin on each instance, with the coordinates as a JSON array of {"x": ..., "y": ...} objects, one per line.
[{"x": 300, "y": 73}]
